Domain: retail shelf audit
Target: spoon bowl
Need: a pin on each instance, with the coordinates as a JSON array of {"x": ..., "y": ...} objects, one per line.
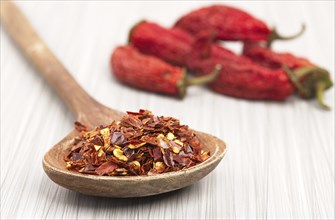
[
  {"x": 129, "y": 186},
  {"x": 91, "y": 113}
]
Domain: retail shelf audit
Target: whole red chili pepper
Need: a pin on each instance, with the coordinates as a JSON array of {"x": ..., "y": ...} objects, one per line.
[
  {"x": 230, "y": 24},
  {"x": 152, "y": 74},
  {"x": 309, "y": 79},
  {"x": 240, "y": 77}
]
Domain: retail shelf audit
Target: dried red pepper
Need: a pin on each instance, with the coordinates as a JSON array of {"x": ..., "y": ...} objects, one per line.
[
  {"x": 240, "y": 76},
  {"x": 309, "y": 79},
  {"x": 152, "y": 74},
  {"x": 230, "y": 24},
  {"x": 139, "y": 144}
]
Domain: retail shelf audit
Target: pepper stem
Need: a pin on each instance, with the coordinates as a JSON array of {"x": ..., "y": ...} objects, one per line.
[
  {"x": 274, "y": 35},
  {"x": 320, "y": 88},
  {"x": 204, "y": 79},
  {"x": 201, "y": 80},
  {"x": 295, "y": 80},
  {"x": 310, "y": 82}
]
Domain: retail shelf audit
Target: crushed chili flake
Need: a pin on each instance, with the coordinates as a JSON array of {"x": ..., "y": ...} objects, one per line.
[{"x": 139, "y": 144}]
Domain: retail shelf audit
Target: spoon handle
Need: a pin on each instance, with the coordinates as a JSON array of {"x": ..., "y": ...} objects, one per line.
[{"x": 23, "y": 34}]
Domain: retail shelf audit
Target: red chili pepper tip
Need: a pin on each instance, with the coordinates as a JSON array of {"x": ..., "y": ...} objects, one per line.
[{"x": 132, "y": 29}]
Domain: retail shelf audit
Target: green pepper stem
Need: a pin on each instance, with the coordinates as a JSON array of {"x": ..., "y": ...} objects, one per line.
[
  {"x": 303, "y": 71},
  {"x": 310, "y": 82},
  {"x": 201, "y": 80},
  {"x": 274, "y": 35},
  {"x": 295, "y": 81},
  {"x": 320, "y": 87},
  {"x": 204, "y": 79}
]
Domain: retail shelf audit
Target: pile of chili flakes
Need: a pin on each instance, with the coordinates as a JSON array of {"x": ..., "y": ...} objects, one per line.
[{"x": 139, "y": 144}]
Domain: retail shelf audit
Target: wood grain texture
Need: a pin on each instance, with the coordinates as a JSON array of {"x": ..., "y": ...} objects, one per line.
[{"x": 280, "y": 163}]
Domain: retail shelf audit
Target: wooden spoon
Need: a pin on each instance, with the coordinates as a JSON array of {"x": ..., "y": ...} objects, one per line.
[{"x": 90, "y": 112}]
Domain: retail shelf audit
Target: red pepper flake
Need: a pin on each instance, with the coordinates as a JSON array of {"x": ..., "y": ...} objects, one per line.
[
  {"x": 79, "y": 126},
  {"x": 139, "y": 144}
]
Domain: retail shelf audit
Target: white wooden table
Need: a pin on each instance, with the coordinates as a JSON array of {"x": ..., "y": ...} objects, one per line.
[{"x": 280, "y": 160}]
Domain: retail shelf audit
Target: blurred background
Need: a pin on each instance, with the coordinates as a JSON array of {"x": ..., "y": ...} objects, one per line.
[{"x": 280, "y": 160}]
